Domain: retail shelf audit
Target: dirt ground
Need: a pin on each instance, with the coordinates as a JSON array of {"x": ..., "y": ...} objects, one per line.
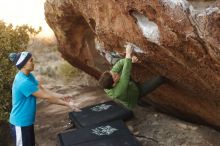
[{"x": 149, "y": 126}]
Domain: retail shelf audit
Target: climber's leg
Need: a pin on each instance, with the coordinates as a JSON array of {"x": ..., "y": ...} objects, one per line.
[{"x": 150, "y": 85}]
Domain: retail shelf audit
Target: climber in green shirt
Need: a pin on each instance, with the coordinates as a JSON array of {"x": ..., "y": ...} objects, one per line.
[{"x": 118, "y": 85}]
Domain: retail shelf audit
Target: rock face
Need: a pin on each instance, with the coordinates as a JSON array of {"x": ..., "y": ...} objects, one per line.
[{"x": 170, "y": 38}]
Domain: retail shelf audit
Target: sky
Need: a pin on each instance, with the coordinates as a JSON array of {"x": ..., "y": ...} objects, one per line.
[{"x": 29, "y": 12}]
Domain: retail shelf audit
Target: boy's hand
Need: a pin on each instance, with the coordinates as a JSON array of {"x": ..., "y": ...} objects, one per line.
[
  {"x": 70, "y": 103},
  {"x": 73, "y": 107}
]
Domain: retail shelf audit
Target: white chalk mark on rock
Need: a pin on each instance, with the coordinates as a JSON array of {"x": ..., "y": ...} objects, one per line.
[{"x": 149, "y": 28}]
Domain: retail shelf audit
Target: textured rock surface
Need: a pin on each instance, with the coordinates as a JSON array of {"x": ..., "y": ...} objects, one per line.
[
  {"x": 150, "y": 127},
  {"x": 172, "y": 39}
]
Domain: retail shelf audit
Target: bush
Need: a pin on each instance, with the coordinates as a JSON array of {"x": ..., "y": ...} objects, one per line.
[
  {"x": 67, "y": 71},
  {"x": 12, "y": 39}
]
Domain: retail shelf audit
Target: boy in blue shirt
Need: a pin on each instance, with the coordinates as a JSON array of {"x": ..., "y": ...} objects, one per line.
[{"x": 25, "y": 90}]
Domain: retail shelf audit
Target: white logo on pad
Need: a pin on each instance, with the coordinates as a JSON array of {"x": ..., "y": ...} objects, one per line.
[
  {"x": 101, "y": 107},
  {"x": 104, "y": 130}
]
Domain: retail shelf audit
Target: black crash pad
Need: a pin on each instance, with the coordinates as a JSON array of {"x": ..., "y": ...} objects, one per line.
[
  {"x": 114, "y": 133},
  {"x": 126, "y": 140},
  {"x": 100, "y": 113}
]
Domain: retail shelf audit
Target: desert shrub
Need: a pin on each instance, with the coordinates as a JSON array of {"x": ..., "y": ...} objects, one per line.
[
  {"x": 12, "y": 39},
  {"x": 43, "y": 44},
  {"x": 49, "y": 71},
  {"x": 67, "y": 71}
]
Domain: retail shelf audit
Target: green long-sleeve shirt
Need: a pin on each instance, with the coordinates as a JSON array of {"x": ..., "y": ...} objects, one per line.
[{"x": 125, "y": 91}]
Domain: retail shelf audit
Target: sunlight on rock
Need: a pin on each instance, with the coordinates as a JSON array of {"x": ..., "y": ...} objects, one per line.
[
  {"x": 111, "y": 57},
  {"x": 136, "y": 48},
  {"x": 173, "y": 3},
  {"x": 203, "y": 12},
  {"x": 99, "y": 46},
  {"x": 150, "y": 29},
  {"x": 209, "y": 11}
]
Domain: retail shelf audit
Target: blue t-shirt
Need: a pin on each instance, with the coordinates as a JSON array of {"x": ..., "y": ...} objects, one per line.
[{"x": 23, "y": 102}]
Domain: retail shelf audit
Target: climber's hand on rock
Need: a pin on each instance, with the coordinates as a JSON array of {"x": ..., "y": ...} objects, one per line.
[
  {"x": 134, "y": 59},
  {"x": 128, "y": 51}
]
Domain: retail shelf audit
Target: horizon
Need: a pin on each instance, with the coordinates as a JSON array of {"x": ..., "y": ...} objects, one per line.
[{"x": 30, "y": 12}]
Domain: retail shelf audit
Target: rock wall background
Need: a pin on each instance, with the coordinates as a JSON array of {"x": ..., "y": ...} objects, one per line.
[{"x": 177, "y": 39}]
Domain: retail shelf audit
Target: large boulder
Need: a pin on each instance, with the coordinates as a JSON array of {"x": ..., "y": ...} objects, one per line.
[{"x": 170, "y": 38}]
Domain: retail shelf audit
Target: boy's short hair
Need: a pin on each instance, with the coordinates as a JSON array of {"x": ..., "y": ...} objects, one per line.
[{"x": 106, "y": 81}]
